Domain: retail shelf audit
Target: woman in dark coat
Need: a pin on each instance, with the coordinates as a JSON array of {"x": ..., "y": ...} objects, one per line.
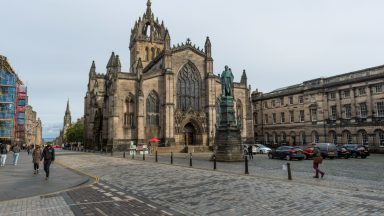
[{"x": 36, "y": 157}]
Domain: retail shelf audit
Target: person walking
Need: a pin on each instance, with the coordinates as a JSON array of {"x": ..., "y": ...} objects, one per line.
[
  {"x": 250, "y": 153},
  {"x": 317, "y": 160},
  {"x": 29, "y": 149},
  {"x": 48, "y": 156},
  {"x": 16, "y": 154},
  {"x": 3, "y": 154},
  {"x": 36, "y": 157}
]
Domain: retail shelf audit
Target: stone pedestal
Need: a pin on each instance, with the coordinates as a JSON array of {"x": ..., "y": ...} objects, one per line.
[{"x": 228, "y": 134}]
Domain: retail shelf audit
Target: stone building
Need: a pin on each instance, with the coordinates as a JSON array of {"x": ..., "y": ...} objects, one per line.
[
  {"x": 33, "y": 127},
  {"x": 170, "y": 92},
  {"x": 347, "y": 108}
]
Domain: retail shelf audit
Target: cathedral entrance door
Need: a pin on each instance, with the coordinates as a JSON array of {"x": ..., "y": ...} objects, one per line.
[{"x": 189, "y": 134}]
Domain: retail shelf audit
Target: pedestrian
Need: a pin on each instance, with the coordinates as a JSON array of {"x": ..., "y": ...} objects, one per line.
[
  {"x": 16, "y": 154},
  {"x": 48, "y": 156},
  {"x": 250, "y": 153},
  {"x": 317, "y": 160},
  {"x": 29, "y": 149},
  {"x": 3, "y": 154},
  {"x": 36, "y": 157}
]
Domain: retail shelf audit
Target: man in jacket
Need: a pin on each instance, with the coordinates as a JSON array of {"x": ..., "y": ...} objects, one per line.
[
  {"x": 16, "y": 154},
  {"x": 48, "y": 156},
  {"x": 3, "y": 154},
  {"x": 317, "y": 155}
]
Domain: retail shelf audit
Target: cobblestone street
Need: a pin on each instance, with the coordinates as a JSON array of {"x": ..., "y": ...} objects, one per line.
[{"x": 137, "y": 187}]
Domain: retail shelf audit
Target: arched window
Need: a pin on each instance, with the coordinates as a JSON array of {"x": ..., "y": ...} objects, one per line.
[
  {"x": 275, "y": 138},
  {"x": 157, "y": 51},
  {"x": 380, "y": 136},
  {"x": 315, "y": 137},
  {"x": 218, "y": 110},
  {"x": 188, "y": 88},
  {"x": 146, "y": 54},
  {"x": 284, "y": 137},
  {"x": 129, "y": 119},
  {"x": 239, "y": 113},
  {"x": 333, "y": 137},
  {"x": 303, "y": 140},
  {"x": 363, "y": 137},
  {"x": 153, "y": 109},
  {"x": 153, "y": 53}
]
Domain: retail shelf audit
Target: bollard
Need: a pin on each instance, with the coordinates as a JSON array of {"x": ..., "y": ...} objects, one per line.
[
  {"x": 289, "y": 171},
  {"x": 143, "y": 155},
  {"x": 171, "y": 157},
  {"x": 133, "y": 155},
  {"x": 156, "y": 156},
  {"x": 190, "y": 159},
  {"x": 124, "y": 155},
  {"x": 214, "y": 162},
  {"x": 246, "y": 164}
]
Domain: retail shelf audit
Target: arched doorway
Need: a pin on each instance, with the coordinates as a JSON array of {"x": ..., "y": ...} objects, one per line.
[{"x": 189, "y": 134}]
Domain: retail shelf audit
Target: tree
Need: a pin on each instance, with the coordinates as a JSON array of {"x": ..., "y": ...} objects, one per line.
[{"x": 75, "y": 133}]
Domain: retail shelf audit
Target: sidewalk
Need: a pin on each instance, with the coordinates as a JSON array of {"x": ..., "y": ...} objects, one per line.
[{"x": 19, "y": 181}]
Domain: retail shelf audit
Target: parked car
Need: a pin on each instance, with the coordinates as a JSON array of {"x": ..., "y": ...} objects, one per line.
[
  {"x": 308, "y": 151},
  {"x": 357, "y": 150},
  {"x": 56, "y": 146},
  {"x": 287, "y": 152},
  {"x": 262, "y": 149},
  {"x": 342, "y": 152},
  {"x": 328, "y": 150}
]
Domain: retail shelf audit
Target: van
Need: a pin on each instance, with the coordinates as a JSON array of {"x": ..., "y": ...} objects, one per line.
[{"x": 328, "y": 150}]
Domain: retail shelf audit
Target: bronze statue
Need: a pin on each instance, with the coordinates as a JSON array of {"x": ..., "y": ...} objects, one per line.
[{"x": 226, "y": 82}]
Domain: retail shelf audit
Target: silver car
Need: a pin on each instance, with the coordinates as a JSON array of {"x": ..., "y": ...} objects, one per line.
[{"x": 262, "y": 149}]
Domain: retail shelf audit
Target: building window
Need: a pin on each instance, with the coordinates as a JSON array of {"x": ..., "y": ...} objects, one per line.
[
  {"x": 284, "y": 137},
  {"x": 362, "y": 110},
  {"x": 348, "y": 111},
  {"x": 381, "y": 138},
  {"x": 301, "y": 115},
  {"x": 313, "y": 113},
  {"x": 282, "y": 117},
  {"x": 333, "y": 113},
  {"x": 265, "y": 104},
  {"x": 273, "y": 103},
  {"x": 349, "y": 138},
  {"x": 345, "y": 94},
  {"x": 378, "y": 88},
  {"x": 301, "y": 99},
  {"x": 188, "y": 88},
  {"x": 361, "y": 91},
  {"x": 364, "y": 138},
  {"x": 152, "y": 107},
  {"x": 291, "y": 116},
  {"x": 282, "y": 101},
  {"x": 380, "y": 109},
  {"x": 291, "y": 100},
  {"x": 332, "y": 95},
  {"x": 239, "y": 112},
  {"x": 274, "y": 118},
  {"x": 266, "y": 118},
  {"x": 255, "y": 119}
]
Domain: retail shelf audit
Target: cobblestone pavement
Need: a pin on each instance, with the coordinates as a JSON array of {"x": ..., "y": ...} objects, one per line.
[
  {"x": 202, "y": 191},
  {"x": 98, "y": 199}
]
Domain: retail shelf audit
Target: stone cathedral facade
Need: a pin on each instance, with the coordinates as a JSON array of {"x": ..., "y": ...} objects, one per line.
[{"x": 170, "y": 92}]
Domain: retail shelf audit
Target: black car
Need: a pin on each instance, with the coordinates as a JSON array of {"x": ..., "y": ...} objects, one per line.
[
  {"x": 342, "y": 152},
  {"x": 287, "y": 152},
  {"x": 357, "y": 150}
]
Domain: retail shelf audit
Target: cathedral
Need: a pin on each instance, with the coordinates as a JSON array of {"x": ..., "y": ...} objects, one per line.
[{"x": 170, "y": 92}]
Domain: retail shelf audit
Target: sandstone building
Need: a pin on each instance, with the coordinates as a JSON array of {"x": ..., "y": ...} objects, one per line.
[
  {"x": 347, "y": 108},
  {"x": 33, "y": 131},
  {"x": 170, "y": 92}
]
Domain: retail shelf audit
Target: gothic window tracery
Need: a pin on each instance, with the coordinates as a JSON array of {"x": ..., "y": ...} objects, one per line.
[
  {"x": 239, "y": 113},
  {"x": 188, "y": 88},
  {"x": 129, "y": 119},
  {"x": 152, "y": 109}
]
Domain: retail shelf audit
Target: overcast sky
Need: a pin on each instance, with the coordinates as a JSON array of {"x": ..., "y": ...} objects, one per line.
[{"x": 51, "y": 44}]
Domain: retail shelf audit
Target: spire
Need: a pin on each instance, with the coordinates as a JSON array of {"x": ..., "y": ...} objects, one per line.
[
  {"x": 67, "y": 110},
  {"x": 244, "y": 78},
  {"x": 167, "y": 39},
  {"x": 118, "y": 64},
  {"x": 92, "y": 71},
  {"x": 149, "y": 10},
  {"x": 111, "y": 59},
  {"x": 208, "y": 47}
]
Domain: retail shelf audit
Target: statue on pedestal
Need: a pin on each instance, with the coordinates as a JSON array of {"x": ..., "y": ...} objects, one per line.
[{"x": 226, "y": 82}]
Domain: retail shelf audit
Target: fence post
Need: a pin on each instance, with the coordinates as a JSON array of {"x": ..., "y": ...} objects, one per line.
[
  {"x": 124, "y": 155},
  {"x": 289, "y": 171},
  {"x": 171, "y": 157},
  {"x": 246, "y": 164},
  {"x": 214, "y": 162},
  {"x": 156, "y": 156},
  {"x": 190, "y": 159},
  {"x": 143, "y": 155}
]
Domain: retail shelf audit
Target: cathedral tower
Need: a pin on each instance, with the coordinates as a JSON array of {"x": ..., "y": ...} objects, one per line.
[
  {"x": 147, "y": 38},
  {"x": 67, "y": 118}
]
